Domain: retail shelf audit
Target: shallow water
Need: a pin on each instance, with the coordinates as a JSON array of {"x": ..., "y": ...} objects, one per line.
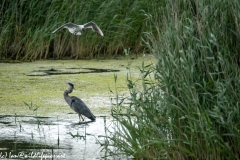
[
  {"x": 39, "y": 137},
  {"x": 35, "y": 121}
]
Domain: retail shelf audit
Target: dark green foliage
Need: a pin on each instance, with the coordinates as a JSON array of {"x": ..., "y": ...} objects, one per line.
[{"x": 191, "y": 110}]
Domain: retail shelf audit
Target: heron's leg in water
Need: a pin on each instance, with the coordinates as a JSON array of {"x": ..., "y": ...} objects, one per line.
[{"x": 81, "y": 117}]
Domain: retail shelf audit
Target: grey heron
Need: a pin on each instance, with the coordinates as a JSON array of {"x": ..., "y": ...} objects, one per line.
[
  {"x": 77, "y": 104},
  {"x": 77, "y": 29}
]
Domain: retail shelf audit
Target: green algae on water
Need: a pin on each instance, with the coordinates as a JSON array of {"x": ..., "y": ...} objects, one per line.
[{"x": 46, "y": 91}]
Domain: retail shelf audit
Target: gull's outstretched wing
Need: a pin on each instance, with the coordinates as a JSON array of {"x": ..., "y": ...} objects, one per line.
[
  {"x": 94, "y": 27},
  {"x": 70, "y": 26}
]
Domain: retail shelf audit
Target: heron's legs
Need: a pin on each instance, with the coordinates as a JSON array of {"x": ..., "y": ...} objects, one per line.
[{"x": 81, "y": 117}]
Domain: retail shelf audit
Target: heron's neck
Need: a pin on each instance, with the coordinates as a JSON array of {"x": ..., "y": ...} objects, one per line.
[{"x": 68, "y": 91}]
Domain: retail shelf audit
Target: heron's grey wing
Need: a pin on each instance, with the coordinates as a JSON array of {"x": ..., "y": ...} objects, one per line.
[
  {"x": 94, "y": 27},
  {"x": 80, "y": 107},
  {"x": 67, "y": 25}
]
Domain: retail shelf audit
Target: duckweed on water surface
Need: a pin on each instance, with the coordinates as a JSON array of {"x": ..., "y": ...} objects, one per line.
[{"x": 30, "y": 82}]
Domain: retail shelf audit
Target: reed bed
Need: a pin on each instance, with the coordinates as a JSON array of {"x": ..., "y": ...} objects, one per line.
[
  {"x": 190, "y": 108},
  {"x": 26, "y": 26}
]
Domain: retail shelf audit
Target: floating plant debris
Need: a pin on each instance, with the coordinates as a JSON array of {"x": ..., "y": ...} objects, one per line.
[{"x": 52, "y": 71}]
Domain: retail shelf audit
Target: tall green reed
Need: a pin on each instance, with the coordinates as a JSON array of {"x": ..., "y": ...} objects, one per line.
[
  {"x": 191, "y": 109},
  {"x": 26, "y": 28}
]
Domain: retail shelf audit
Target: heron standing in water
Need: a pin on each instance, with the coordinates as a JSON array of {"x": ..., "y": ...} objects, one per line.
[{"x": 77, "y": 104}]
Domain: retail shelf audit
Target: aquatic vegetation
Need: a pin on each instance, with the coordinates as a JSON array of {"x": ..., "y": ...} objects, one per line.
[
  {"x": 32, "y": 107},
  {"x": 189, "y": 109},
  {"x": 45, "y": 93},
  {"x": 77, "y": 135}
]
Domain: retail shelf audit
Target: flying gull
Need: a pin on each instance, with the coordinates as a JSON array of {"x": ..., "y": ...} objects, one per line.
[{"x": 77, "y": 29}]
